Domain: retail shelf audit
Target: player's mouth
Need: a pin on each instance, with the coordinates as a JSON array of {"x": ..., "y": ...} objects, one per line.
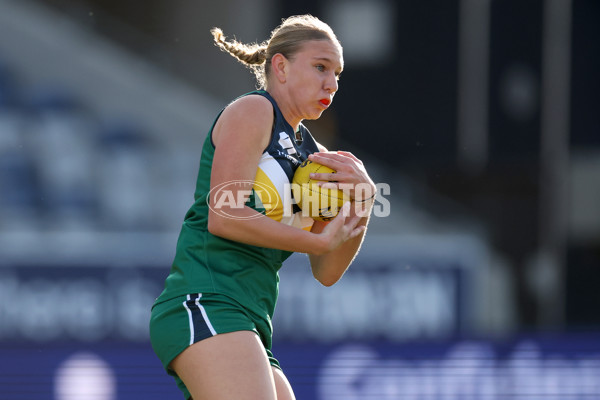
[{"x": 325, "y": 102}]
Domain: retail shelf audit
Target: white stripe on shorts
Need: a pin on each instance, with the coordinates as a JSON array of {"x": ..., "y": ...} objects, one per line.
[
  {"x": 205, "y": 316},
  {"x": 191, "y": 317}
]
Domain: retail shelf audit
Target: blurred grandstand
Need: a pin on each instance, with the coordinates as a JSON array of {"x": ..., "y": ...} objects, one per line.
[{"x": 103, "y": 110}]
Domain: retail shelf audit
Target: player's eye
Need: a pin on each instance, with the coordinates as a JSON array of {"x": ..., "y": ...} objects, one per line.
[{"x": 320, "y": 67}]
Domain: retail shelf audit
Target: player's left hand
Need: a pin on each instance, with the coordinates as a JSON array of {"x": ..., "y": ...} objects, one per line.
[{"x": 350, "y": 176}]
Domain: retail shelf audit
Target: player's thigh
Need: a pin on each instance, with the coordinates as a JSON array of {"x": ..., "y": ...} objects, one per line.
[
  {"x": 227, "y": 366},
  {"x": 282, "y": 385}
]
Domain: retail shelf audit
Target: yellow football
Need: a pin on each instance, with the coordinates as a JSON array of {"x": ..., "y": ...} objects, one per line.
[{"x": 316, "y": 202}]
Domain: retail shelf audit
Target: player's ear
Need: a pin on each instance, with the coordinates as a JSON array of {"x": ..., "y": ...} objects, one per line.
[{"x": 279, "y": 65}]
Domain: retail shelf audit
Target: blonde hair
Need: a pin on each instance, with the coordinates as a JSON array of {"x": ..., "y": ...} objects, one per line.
[{"x": 286, "y": 39}]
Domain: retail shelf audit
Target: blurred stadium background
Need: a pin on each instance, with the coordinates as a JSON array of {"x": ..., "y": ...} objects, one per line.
[{"x": 481, "y": 115}]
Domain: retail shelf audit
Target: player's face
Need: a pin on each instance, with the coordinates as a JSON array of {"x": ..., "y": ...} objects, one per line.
[{"x": 313, "y": 77}]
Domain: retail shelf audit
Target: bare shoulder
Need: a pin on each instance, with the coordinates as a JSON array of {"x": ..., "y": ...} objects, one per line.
[
  {"x": 251, "y": 114},
  {"x": 255, "y": 106}
]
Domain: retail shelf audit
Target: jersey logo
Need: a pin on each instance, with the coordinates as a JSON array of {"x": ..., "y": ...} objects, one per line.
[{"x": 286, "y": 143}]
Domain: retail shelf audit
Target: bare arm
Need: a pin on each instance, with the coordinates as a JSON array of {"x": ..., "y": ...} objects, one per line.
[
  {"x": 329, "y": 267},
  {"x": 240, "y": 136}
]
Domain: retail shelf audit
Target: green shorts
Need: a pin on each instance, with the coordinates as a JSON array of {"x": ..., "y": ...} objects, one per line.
[{"x": 178, "y": 323}]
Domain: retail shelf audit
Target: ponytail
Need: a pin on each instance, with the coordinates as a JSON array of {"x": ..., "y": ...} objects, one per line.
[
  {"x": 286, "y": 39},
  {"x": 252, "y": 56}
]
